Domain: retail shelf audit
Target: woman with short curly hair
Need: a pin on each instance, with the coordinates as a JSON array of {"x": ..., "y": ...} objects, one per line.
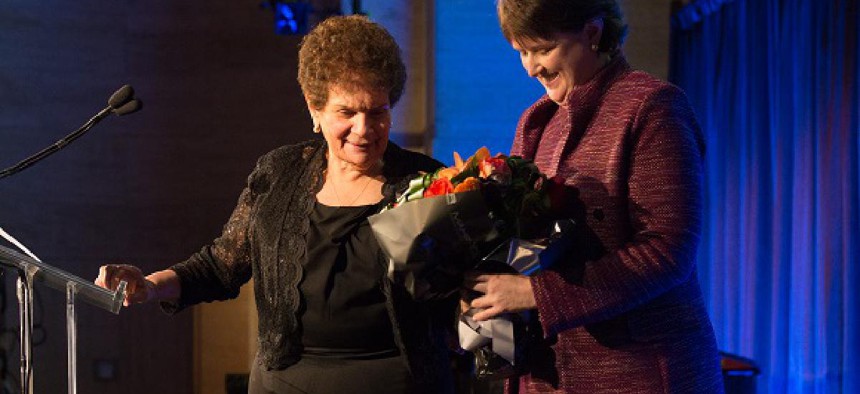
[{"x": 329, "y": 319}]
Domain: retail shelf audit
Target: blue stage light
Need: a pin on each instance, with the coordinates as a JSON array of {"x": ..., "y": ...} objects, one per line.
[{"x": 291, "y": 17}]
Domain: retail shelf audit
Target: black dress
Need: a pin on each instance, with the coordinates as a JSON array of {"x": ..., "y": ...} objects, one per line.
[{"x": 346, "y": 329}]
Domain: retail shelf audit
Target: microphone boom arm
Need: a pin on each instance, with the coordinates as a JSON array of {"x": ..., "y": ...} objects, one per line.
[
  {"x": 60, "y": 144},
  {"x": 122, "y": 102}
]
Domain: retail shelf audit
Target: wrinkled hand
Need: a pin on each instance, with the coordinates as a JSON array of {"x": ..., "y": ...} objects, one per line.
[
  {"x": 138, "y": 289},
  {"x": 502, "y": 293}
]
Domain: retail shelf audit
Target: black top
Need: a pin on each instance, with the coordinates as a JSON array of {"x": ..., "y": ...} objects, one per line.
[
  {"x": 344, "y": 312},
  {"x": 266, "y": 237}
]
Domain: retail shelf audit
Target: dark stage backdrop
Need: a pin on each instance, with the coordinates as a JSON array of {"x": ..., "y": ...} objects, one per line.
[
  {"x": 151, "y": 188},
  {"x": 775, "y": 85}
]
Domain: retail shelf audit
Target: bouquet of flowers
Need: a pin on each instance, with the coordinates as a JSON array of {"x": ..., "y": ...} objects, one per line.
[
  {"x": 444, "y": 222},
  {"x": 475, "y": 215}
]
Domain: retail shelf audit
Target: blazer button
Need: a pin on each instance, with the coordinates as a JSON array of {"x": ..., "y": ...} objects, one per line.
[{"x": 598, "y": 215}]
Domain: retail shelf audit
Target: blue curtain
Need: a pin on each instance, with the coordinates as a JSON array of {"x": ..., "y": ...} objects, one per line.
[{"x": 775, "y": 86}]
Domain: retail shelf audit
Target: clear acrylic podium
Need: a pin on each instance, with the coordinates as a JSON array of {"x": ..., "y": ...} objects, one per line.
[{"x": 30, "y": 270}]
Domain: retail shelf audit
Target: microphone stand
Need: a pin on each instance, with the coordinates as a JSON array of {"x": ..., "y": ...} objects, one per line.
[
  {"x": 122, "y": 102},
  {"x": 24, "y": 283}
]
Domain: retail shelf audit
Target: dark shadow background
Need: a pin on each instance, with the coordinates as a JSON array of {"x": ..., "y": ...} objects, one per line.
[{"x": 219, "y": 90}]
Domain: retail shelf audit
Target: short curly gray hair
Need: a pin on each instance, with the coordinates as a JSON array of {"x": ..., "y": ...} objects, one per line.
[{"x": 352, "y": 52}]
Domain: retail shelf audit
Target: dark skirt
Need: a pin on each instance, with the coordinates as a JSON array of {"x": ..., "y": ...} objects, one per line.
[{"x": 319, "y": 375}]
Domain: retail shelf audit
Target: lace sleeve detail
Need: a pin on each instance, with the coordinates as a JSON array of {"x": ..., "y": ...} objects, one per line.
[{"x": 218, "y": 270}]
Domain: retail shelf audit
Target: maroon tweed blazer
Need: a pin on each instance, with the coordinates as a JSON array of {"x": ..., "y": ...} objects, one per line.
[{"x": 625, "y": 314}]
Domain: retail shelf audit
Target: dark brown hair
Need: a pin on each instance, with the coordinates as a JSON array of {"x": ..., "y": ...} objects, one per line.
[
  {"x": 351, "y": 52},
  {"x": 544, "y": 18}
]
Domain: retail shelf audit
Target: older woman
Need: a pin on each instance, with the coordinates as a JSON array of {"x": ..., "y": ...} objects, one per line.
[
  {"x": 329, "y": 321},
  {"x": 624, "y": 314}
]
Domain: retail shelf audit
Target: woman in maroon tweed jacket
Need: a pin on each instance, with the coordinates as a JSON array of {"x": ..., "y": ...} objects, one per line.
[{"x": 625, "y": 315}]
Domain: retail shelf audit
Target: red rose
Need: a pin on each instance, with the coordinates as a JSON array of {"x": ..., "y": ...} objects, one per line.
[
  {"x": 439, "y": 187},
  {"x": 493, "y": 165},
  {"x": 557, "y": 193}
]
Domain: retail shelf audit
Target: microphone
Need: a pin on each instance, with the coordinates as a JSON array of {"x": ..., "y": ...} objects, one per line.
[
  {"x": 121, "y": 96},
  {"x": 122, "y": 102},
  {"x": 130, "y": 107}
]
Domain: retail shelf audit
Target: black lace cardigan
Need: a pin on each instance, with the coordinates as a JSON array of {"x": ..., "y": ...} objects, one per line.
[{"x": 265, "y": 239}]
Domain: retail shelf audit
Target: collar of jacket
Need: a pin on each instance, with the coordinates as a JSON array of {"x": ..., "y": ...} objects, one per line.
[{"x": 581, "y": 104}]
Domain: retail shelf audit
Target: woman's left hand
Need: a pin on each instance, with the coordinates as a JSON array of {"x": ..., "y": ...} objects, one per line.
[{"x": 502, "y": 293}]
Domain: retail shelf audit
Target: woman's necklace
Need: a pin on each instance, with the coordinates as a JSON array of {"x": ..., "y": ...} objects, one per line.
[{"x": 351, "y": 203}]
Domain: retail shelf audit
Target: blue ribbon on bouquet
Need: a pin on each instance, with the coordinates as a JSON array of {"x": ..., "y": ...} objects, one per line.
[{"x": 524, "y": 257}]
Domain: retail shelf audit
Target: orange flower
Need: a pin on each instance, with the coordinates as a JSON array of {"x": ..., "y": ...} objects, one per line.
[
  {"x": 481, "y": 154},
  {"x": 447, "y": 173},
  {"x": 468, "y": 184},
  {"x": 439, "y": 187},
  {"x": 458, "y": 162}
]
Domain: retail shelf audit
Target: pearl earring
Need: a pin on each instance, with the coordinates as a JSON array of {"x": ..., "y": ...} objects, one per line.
[{"x": 317, "y": 128}]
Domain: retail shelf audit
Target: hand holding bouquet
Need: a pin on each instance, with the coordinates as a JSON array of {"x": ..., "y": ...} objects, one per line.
[{"x": 475, "y": 215}]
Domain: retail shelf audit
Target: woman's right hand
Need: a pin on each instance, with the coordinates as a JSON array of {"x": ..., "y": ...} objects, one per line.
[{"x": 139, "y": 289}]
